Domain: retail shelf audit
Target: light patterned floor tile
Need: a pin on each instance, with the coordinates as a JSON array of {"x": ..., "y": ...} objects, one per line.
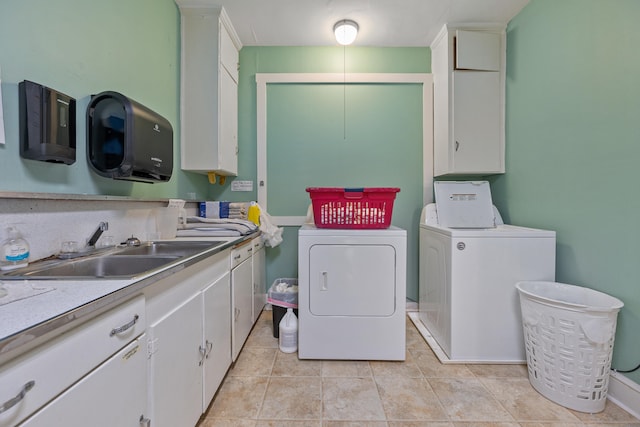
[
  {"x": 288, "y": 398},
  {"x": 288, "y": 365},
  {"x": 406, "y": 368},
  {"x": 409, "y": 399},
  {"x": 468, "y": 400},
  {"x": 346, "y": 368},
  {"x": 254, "y": 362},
  {"x": 499, "y": 371},
  {"x": 239, "y": 397},
  {"x": 524, "y": 403},
  {"x": 268, "y": 388},
  {"x": 431, "y": 367},
  {"x": 349, "y": 399}
]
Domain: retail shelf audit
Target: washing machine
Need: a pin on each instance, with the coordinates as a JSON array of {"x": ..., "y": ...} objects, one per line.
[
  {"x": 470, "y": 262},
  {"x": 351, "y": 293}
]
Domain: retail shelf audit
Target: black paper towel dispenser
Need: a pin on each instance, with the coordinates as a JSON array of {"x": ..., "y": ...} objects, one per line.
[
  {"x": 47, "y": 124},
  {"x": 126, "y": 140}
]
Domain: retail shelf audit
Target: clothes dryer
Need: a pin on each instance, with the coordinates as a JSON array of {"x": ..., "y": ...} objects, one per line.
[{"x": 351, "y": 293}]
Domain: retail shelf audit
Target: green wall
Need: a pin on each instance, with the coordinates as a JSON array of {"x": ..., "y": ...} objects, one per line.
[
  {"x": 572, "y": 145},
  {"x": 82, "y": 48},
  {"x": 325, "y": 126}
]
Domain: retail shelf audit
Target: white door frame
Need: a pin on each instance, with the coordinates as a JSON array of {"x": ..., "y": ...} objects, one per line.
[{"x": 263, "y": 79}]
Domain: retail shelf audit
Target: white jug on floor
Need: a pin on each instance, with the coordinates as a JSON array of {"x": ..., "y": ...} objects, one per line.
[{"x": 288, "y": 336}]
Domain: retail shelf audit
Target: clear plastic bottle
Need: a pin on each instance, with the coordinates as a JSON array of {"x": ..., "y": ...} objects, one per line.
[
  {"x": 15, "y": 251},
  {"x": 288, "y": 336}
]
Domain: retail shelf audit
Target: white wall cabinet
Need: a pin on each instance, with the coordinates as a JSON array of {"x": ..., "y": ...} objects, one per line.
[
  {"x": 241, "y": 296},
  {"x": 189, "y": 341},
  {"x": 469, "y": 74},
  {"x": 209, "y": 90},
  {"x": 258, "y": 261}
]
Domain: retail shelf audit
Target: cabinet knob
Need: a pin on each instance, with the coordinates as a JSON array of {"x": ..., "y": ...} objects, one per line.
[{"x": 457, "y": 145}]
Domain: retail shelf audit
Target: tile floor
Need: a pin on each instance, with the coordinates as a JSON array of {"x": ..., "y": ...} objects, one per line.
[{"x": 266, "y": 387}]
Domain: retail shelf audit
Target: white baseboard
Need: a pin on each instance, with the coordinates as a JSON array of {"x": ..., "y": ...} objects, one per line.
[{"x": 624, "y": 393}]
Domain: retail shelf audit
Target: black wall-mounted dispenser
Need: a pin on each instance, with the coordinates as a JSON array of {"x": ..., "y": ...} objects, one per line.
[
  {"x": 47, "y": 124},
  {"x": 126, "y": 140}
]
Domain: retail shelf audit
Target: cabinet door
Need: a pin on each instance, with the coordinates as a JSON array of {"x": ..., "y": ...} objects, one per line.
[
  {"x": 114, "y": 394},
  {"x": 216, "y": 300},
  {"x": 259, "y": 280},
  {"x": 228, "y": 142},
  {"x": 174, "y": 371},
  {"x": 228, "y": 53},
  {"x": 477, "y": 140},
  {"x": 242, "y": 303}
]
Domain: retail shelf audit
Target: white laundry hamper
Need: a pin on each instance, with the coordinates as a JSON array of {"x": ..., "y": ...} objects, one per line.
[{"x": 568, "y": 333}]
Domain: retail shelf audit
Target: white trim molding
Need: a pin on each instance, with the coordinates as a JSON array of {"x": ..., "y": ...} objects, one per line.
[
  {"x": 263, "y": 79},
  {"x": 624, "y": 393}
]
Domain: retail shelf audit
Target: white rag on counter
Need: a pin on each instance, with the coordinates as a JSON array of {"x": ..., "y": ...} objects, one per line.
[{"x": 198, "y": 226}]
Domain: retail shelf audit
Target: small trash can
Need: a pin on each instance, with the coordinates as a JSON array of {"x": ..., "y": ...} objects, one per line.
[
  {"x": 568, "y": 335},
  {"x": 282, "y": 294}
]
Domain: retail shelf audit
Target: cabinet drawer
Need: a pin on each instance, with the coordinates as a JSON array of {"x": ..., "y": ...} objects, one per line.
[
  {"x": 257, "y": 243},
  {"x": 111, "y": 395},
  {"x": 241, "y": 253},
  {"x": 57, "y": 364}
]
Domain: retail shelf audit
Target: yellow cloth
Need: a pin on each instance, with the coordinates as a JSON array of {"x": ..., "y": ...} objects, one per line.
[{"x": 254, "y": 214}]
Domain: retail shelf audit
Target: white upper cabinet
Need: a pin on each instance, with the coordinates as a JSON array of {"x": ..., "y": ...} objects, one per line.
[
  {"x": 468, "y": 66},
  {"x": 209, "y": 91},
  {"x": 477, "y": 50}
]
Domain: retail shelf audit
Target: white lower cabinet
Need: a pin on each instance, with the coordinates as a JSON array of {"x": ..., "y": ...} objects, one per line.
[
  {"x": 174, "y": 370},
  {"x": 241, "y": 297},
  {"x": 258, "y": 263},
  {"x": 113, "y": 394},
  {"x": 217, "y": 336},
  {"x": 189, "y": 342},
  {"x": 100, "y": 360}
]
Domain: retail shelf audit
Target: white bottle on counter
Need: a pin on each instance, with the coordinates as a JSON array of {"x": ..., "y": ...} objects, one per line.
[
  {"x": 15, "y": 251},
  {"x": 288, "y": 337}
]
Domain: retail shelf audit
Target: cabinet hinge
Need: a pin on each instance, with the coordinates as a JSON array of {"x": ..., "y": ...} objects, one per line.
[{"x": 152, "y": 347}]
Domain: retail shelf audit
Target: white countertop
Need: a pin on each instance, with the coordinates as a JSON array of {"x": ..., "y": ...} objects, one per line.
[{"x": 65, "y": 297}]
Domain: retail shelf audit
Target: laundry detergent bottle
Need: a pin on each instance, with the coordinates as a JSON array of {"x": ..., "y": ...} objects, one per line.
[
  {"x": 15, "y": 251},
  {"x": 288, "y": 328}
]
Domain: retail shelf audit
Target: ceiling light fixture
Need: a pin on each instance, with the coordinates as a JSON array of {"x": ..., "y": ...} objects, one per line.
[{"x": 345, "y": 31}]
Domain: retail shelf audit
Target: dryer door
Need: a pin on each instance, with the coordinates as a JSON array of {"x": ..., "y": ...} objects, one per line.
[{"x": 352, "y": 280}]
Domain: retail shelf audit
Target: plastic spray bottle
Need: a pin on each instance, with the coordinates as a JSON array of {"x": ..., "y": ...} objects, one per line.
[{"x": 15, "y": 251}]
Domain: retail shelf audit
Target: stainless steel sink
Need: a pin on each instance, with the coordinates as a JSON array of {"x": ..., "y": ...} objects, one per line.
[
  {"x": 121, "y": 263},
  {"x": 103, "y": 267},
  {"x": 175, "y": 248}
]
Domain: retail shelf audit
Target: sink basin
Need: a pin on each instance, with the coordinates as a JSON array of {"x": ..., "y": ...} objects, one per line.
[
  {"x": 123, "y": 263},
  {"x": 175, "y": 248},
  {"x": 108, "y": 267}
]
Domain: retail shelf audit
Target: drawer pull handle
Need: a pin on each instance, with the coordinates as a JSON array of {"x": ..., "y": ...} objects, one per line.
[
  {"x": 13, "y": 401},
  {"x": 123, "y": 328}
]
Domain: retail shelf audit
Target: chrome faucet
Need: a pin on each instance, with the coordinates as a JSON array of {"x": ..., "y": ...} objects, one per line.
[{"x": 102, "y": 227}]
